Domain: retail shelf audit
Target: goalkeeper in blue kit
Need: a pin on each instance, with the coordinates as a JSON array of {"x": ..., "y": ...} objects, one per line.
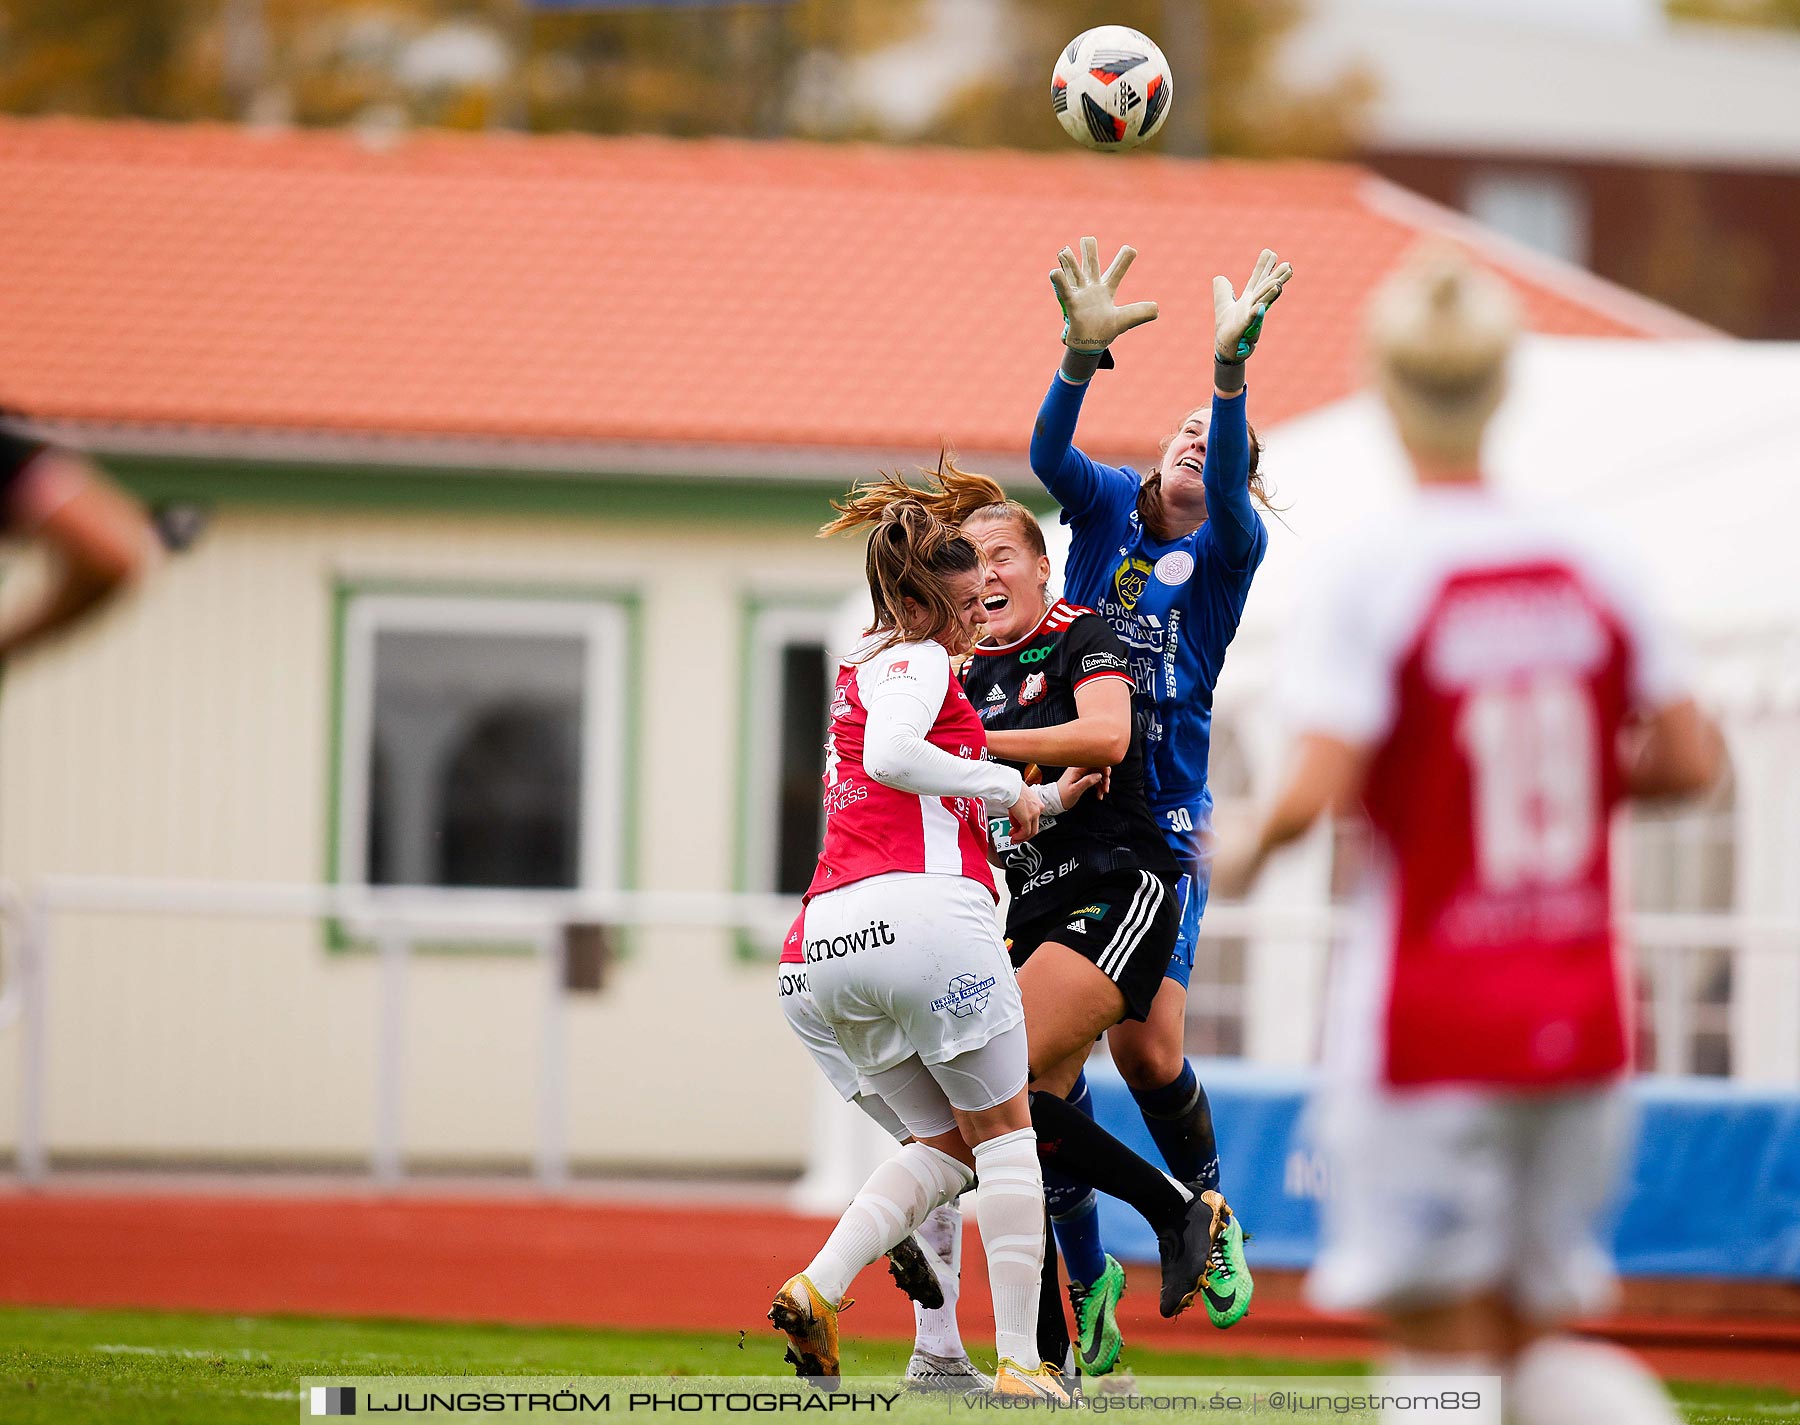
[{"x": 1167, "y": 559}]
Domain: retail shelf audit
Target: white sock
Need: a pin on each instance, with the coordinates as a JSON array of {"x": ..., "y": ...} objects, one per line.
[
  {"x": 935, "y": 1332},
  {"x": 1564, "y": 1381},
  {"x": 1010, "y": 1209},
  {"x": 891, "y": 1204},
  {"x": 1436, "y": 1363}
]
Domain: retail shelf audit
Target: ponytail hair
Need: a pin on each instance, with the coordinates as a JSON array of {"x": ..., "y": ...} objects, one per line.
[{"x": 915, "y": 545}]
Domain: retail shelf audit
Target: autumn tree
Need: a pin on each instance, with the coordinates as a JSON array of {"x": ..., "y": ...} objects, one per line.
[
  {"x": 150, "y": 59},
  {"x": 762, "y": 70},
  {"x": 1764, "y": 14},
  {"x": 1229, "y": 95}
]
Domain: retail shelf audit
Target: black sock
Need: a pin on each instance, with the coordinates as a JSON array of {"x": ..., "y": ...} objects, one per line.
[
  {"x": 1080, "y": 1148},
  {"x": 1052, "y": 1325},
  {"x": 1180, "y": 1120}
]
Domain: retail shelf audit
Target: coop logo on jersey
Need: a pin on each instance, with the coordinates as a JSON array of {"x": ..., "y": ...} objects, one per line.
[
  {"x": 1036, "y": 655},
  {"x": 333, "y": 1400},
  {"x": 967, "y": 995},
  {"x": 1031, "y": 689},
  {"x": 1130, "y": 580}
]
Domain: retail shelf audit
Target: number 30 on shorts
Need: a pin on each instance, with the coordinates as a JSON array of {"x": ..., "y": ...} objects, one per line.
[{"x": 1181, "y": 819}]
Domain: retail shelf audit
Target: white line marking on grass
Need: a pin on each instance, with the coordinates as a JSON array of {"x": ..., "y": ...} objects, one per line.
[{"x": 188, "y": 1353}]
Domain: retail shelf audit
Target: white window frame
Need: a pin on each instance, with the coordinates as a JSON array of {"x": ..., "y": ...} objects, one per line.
[
  {"x": 601, "y": 624},
  {"x": 1676, "y": 974},
  {"x": 774, "y": 628}
]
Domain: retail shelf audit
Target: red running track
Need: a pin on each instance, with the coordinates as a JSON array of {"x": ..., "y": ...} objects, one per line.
[{"x": 605, "y": 1264}]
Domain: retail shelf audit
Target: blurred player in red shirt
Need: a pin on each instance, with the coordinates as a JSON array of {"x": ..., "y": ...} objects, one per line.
[{"x": 1489, "y": 681}]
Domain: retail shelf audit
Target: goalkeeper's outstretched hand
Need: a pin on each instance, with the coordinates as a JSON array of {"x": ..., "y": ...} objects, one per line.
[
  {"x": 1238, "y": 320},
  {"x": 1092, "y": 318}
]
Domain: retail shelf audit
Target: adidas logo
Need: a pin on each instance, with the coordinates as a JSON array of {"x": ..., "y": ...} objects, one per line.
[
  {"x": 996, "y": 695},
  {"x": 1078, "y": 926}
]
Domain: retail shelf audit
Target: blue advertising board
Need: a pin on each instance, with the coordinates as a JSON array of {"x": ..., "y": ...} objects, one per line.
[{"x": 1714, "y": 1188}]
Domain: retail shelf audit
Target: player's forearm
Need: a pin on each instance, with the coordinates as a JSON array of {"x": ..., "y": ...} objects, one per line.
[
  {"x": 1680, "y": 755},
  {"x": 1226, "y": 475},
  {"x": 1086, "y": 742},
  {"x": 1053, "y": 451},
  {"x": 899, "y": 757},
  {"x": 75, "y": 592},
  {"x": 1292, "y": 816},
  {"x": 1327, "y": 774},
  {"x": 98, "y": 537}
]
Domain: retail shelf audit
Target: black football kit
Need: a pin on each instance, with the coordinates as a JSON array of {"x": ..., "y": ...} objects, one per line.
[{"x": 1100, "y": 877}]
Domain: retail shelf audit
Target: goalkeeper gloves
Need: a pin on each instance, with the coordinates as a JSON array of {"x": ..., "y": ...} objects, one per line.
[
  {"x": 1092, "y": 319},
  {"x": 1238, "y": 320}
]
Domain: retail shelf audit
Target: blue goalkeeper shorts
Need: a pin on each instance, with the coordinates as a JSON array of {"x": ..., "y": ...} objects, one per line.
[{"x": 1188, "y": 830}]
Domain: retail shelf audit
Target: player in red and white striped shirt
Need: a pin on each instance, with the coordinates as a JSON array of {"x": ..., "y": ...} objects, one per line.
[
  {"x": 903, "y": 957},
  {"x": 1490, "y": 683}
]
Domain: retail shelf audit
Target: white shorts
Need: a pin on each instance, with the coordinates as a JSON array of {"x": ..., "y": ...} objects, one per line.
[
  {"x": 912, "y": 965},
  {"x": 1440, "y": 1194},
  {"x": 810, "y": 1028}
]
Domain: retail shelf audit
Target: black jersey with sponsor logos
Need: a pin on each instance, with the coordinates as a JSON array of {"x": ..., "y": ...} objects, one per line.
[{"x": 1032, "y": 683}]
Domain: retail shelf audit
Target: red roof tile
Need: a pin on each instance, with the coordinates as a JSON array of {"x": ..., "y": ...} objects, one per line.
[{"x": 642, "y": 291}]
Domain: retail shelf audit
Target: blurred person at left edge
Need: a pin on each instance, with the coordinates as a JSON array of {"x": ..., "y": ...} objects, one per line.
[{"x": 100, "y": 540}]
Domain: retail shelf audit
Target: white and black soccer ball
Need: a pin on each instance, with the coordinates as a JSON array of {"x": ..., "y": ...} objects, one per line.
[{"x": 1111, "y": 88}]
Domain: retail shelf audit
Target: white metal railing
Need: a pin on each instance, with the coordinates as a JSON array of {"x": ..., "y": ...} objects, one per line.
[{"x": 394, "y": 919}]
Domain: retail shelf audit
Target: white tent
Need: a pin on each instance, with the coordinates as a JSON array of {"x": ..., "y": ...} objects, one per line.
[{"x": 1689, "y": 451}]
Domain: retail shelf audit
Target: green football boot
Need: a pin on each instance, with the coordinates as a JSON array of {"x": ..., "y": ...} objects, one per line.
[
  {"x": 1098, "y": 1341},
  {"x": 1226, "y": 1286}
]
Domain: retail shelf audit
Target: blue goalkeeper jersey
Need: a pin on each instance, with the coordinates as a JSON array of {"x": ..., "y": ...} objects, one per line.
[{"x": 1175, "y": 604}]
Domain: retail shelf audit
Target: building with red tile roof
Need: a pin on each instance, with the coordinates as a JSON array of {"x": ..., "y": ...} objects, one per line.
[
  {"x": 509, "y": 455},
  {"x": 631, "y": 304}
]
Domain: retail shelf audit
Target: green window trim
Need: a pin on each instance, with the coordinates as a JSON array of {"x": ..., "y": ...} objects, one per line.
[
  {"x": 752, "y": 607},
  {"x": 628, "y": 498}
]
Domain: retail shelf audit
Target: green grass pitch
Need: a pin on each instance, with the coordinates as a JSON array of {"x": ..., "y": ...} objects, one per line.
[{"x": 148, "y": 1368}]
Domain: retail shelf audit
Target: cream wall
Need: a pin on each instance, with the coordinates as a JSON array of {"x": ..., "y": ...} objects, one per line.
[{"x": 188, "y": 737}]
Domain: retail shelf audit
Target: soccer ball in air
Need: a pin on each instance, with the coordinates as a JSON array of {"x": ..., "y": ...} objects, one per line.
[{"x": 1111, "y": 88}]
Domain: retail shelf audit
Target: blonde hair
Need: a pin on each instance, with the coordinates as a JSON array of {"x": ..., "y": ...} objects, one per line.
[
  {"x": 915, "y": 545},
  {"x": 1440, "y": 332},
  {"x": 1019, "y": 517}
]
